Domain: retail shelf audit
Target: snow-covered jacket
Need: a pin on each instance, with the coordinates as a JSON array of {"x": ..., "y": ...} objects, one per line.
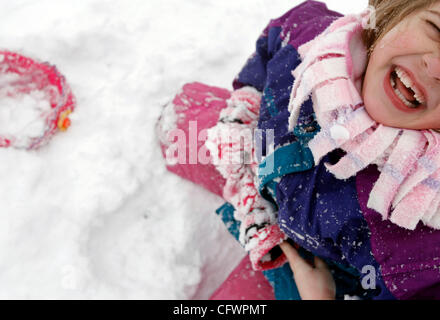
[{"x": 324, "y": 215}]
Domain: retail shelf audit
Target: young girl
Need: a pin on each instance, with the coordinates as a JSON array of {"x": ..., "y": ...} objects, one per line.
[{"x": 349, "y": 165}]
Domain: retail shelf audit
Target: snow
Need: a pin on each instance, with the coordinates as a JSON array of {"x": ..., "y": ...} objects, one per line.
[
  {"x": 94, "y": 214},
  {"x": 339, "y": 132},
  {"x": 22, "y": 116}
]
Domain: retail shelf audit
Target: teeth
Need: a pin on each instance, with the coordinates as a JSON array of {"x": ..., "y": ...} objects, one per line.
[
  {"x": 400, "y": 95},
  {"x": 406, "y": 80}
]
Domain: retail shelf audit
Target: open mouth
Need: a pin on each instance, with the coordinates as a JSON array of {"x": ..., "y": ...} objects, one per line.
[{"x": 405, "y": 89}]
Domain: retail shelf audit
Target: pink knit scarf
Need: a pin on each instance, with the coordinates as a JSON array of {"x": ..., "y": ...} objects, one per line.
[{"x": 408, "y": 188}]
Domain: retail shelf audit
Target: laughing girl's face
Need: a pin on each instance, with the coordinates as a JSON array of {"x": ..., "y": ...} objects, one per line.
[{"x": 402, "y": 82}]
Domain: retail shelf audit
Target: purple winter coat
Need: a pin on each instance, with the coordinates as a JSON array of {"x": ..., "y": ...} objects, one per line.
[{"x": 324, "y": 215}]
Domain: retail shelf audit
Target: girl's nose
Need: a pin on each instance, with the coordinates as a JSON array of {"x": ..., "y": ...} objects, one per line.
[{"x": 432, "y": 65}]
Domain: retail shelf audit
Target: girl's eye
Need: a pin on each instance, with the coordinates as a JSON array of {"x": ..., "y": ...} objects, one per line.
[{"x": 433, "y": 25}]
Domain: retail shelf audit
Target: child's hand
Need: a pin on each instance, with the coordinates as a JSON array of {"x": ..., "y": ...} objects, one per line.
[{"x": 314, "y": 283}]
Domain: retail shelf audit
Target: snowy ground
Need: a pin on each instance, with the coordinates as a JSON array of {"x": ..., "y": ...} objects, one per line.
[{"x": 94, "y": 214}]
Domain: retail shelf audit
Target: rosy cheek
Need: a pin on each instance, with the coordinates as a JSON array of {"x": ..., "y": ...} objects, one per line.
[
  {"x": 405, "y": 41},
  {"x": 402, "y": 38}
]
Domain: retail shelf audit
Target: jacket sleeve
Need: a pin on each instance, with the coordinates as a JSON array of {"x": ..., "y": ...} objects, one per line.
[
  {"x": 295, "y": 27},
  {"x": 231, "y": 146},
  {"x": 259, "y": 230},
  {"x": 254, "y": 72}
]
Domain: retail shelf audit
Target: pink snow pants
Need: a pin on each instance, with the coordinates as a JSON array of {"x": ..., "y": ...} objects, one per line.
[{"x": 194, "y": 109}]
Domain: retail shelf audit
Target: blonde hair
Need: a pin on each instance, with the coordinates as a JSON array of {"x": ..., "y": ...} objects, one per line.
[{"x": 388, "y": 14}]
